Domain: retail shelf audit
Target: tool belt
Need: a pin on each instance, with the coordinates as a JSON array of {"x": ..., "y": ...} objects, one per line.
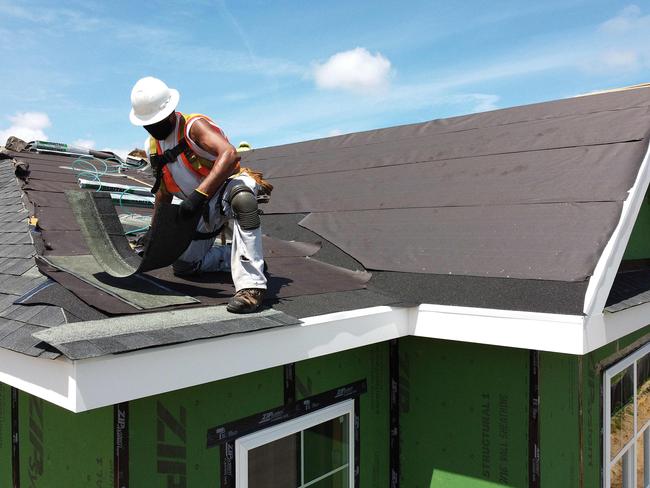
[{"x": 158, "y": 162}]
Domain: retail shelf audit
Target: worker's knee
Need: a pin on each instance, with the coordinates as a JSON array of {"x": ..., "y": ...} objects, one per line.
[{"x": 244, "y": 206}]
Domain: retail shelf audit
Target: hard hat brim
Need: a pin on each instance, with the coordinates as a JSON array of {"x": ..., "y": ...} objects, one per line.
[{"x": 158, "y": 116}]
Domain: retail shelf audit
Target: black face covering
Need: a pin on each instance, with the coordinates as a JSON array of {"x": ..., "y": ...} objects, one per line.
[{"x": 160, "y": 130}]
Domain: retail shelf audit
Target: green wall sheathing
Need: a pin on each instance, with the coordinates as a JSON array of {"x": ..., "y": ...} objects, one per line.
[
  {"x": 5, "y": 435},
  {"x": 558, "y": 425},
  {"x": 570, "y": 414},
  {"x": 463, "y": 415},
  {"x": 168, "y": 432},
  {"x": 370, "y": 363},
  {"x": 61, "y": 448},
  {"x": 638, "y": 247}
]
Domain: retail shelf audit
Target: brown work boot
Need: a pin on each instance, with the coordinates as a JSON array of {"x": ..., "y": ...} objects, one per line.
[{"x": 247, "y": 300}]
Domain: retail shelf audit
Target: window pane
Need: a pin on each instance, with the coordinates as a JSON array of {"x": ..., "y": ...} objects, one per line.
[
  {"x": 643, "y": 390},
  {"x": 276, "y": 464},
  {"x": 622, "y": 409},
  {"x": 337, "y": 480},
  {"x": 326, "y": 447},
  {"x": 617, "y": 475}
]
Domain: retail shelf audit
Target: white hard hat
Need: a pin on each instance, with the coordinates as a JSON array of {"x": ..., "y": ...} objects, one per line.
[
  {"x": 244, "y": 146},
  {"x": 151, "y": 101}
]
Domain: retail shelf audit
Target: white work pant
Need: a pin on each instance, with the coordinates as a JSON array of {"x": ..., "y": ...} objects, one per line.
[{"x": 244, "y": 258}]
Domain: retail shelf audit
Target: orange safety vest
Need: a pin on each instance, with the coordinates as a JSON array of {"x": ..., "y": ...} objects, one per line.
[{"x": 192, "y": 161}]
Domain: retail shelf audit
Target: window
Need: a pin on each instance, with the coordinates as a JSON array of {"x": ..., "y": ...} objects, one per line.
[
  {"x": 315, "y": 450},
  {"x": 626, "y": 421}
]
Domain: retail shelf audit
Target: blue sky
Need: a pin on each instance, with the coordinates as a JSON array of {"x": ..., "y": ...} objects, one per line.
[{"x": 278, "y": 72}]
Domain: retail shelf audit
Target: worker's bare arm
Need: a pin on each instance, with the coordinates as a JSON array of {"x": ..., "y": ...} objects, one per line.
[{"x": 210, "y": 139}]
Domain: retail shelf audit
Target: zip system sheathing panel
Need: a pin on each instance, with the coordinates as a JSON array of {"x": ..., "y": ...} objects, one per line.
[{"x": 464, "y": 415}]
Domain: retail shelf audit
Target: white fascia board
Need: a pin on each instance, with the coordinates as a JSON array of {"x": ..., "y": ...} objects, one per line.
[
  {"x": 527, "y": 330},
  {"x": 117, "y": 378},
  {"x": 51, "y": 380},
  {"x": 601, "y": 329},
  {"x": 92, "y": 383},
  {"x": 601, "y": 281}
]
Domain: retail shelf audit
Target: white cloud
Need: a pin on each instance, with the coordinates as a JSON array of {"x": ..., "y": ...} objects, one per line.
[
  {"x": 624, "y": 42},
  {"x": 355, "y": 70},
  {"x": 620, "y": 59},
  {"x": 28, "y": 126},
  {"x": 334, "y": 132},
  {"x": 87, "y": 143},
  {"x": 479, "y": 102},
  {"x": 628, "y": 19},
  {"x": 63, "y": 18}
]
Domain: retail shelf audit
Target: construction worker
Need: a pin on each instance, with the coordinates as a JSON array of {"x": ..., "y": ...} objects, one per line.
[{"x": 193, "y": 160}]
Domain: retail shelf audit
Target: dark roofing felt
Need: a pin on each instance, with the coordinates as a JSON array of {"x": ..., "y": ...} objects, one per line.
[
  {"x": 531, "y": 192},
  {"x": 507, "y": 209}
]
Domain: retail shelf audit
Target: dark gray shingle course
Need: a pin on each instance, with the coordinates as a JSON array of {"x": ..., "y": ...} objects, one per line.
[
  {"x": 41, "y": 315},
  {"x": 21, "y": 340},
  {"x": 19, "y": 285},
  {"x": 14, "y": 223},
  {"x": 12, "y": 238},
  {"x": 16, "y": 266},
  {"x": 17, "y": 251}
]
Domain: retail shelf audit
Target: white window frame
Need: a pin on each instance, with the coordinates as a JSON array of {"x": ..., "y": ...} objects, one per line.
[
  {"x": 640, "y": 431},
  {"x": 299, "y": 424}
]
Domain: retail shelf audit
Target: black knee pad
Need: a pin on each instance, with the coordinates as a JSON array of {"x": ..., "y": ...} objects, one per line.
[{"x": 244, "y": 206}]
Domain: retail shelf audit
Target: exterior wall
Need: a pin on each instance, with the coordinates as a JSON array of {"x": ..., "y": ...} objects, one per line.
[
  {"x": 60, "y": 448},
  {"x": 5, "y": 435},
  {"x": 167, "y": 433},
  {"x": 464, "y": 420},
  {"x": 329, "y": 372},
  {"x": 463, "y": 415},
  {"x": 571, "y": 442}
]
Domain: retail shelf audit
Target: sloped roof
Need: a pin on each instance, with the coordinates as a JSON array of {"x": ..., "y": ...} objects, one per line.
[
  {"x": 508, "y": 210},
  {"x": 530, "y": 193},
  {"x": 19, "y": 275}
]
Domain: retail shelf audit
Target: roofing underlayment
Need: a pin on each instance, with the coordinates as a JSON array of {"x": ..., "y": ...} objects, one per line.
[{"x": 510, "y": 210}]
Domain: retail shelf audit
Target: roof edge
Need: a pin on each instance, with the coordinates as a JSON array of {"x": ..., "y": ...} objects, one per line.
[
  {"x": 610, "y": 259},
  {"x": 102, "y": 381}
]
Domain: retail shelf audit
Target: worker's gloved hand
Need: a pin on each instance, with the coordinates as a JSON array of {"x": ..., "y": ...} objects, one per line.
[{"x": 192, "y": 204}]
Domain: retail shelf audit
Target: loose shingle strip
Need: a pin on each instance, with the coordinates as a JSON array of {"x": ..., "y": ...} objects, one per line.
[
  {"x": 140, "y": 291},
  {"x": 113, "y": 335},
  {"x": 96, "y": 215}
]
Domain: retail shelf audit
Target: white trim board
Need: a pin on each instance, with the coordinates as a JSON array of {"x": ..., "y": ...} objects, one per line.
[
  {"x": 602, "y": 280},
  {"x": 527, "y": 330},
  {"x": 92, "y": 383}
]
